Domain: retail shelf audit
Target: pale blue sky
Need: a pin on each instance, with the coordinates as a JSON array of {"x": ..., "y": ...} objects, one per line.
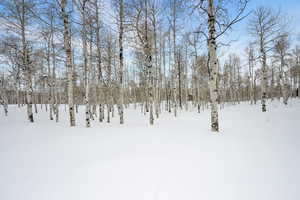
[{"x": 289, "y": 9}]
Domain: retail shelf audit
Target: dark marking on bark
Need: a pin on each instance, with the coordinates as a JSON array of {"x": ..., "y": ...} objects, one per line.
[{"x": 31, "y": 118}]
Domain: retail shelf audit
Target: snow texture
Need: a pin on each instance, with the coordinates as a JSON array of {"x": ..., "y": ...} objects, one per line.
[{"x": 255, "y": 157}]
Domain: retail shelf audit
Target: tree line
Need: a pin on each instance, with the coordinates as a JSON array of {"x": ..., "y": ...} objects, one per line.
[{"x": 160, "y": 56}]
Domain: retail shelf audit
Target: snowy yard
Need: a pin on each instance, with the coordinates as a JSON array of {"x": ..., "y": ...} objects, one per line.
[{"x": 256, "y": 156}]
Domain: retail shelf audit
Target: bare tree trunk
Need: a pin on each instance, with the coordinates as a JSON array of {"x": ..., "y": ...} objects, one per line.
[
  {"x": 69, "y": 63},
  {"x": 26, "y": 65},
  {"x": 99, "y": 63},
  {"x": 86, "y": 65},
  {"x": 251, "y": 57},
  {"x": 55, "y": 99},
  {"x": 285, "y": 88},
  {"x": 213, "y": 67},
  {"x": 49, "y": 79},
  {"x": 149, "y": 67},
  {"x": 121, "y": 60},
  {"x": 3, "y": 98},
  {"x": 179, "y": 78},
  {"x": 264, "y": 80}
]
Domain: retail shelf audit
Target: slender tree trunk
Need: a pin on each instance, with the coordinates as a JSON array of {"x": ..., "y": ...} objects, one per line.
[
  {"x": 26, "y": 65},
  {"x": 121, "y": 103},
  {"x": 176, "y": 71},
  {"x": 285, "y": 88},
  {"x": 149, "y": 67},
  {"x": 86, "y": 67},
  {"x": 69, "y": 63},
  {"x": 179, "y": 79},
  {"x": 55, "y": 100},
  {"x": 99, "y": 64},
  {"x": 264, "y": 80},
  {"x": 251, "y": 76},
  {"x": 213, "y": 67},
  {"x": 3, "y": 100},
  {"x": 49, "y": 80}
]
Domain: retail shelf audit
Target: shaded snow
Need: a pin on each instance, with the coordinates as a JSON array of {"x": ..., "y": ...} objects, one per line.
[{"x": 256, "y": 156}]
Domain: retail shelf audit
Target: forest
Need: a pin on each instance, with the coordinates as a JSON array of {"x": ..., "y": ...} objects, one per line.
[
  {"x": 149, "y": 99},
  {"x": 161, "y": 56}
]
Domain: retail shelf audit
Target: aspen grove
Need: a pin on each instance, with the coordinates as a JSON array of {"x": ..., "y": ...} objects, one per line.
[
  {"x": 149, "y": 99},
  {"x": 156, "y": 56}
]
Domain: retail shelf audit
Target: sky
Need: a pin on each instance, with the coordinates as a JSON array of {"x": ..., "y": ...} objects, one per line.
[{"x": 289, "y": 9}]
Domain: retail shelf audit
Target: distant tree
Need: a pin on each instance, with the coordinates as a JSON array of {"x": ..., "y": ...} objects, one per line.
[
  {"x": 264, "y": 26},
  {"x": 281, "y": 49}
]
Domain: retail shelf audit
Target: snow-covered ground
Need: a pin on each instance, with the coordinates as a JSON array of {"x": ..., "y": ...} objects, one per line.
[{"x": 256, "y": 156}]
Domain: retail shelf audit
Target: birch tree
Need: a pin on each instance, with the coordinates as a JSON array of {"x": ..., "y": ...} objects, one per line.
[
  {"x": 97, "y": 26},
  {"x": 140, "y": 23},
  {"x": 82, "y": 7},
  {"x": 264, "y": 26},
  {"x": 17, "y": 16},
  {"x": 121, "y": 61},
  {"x": 69, "y": 62},
  {"x": 217, "y": 14},
  {"x": 281, "y": 53},
  {"x": 251, "y": 60},
  {"x": 3, "y": 96}
]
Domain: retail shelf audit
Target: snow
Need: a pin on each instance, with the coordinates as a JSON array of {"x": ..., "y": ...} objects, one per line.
[{"x": 255, "y": 157}]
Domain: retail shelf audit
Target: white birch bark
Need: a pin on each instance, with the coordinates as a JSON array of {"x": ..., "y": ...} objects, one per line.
[
  {"x": 3, "y": 98},
  {"x": 69, "y": 63},
  {"x": 213, "y": 67},
  {"x": 26, "y": 65},
  {"x": 86, "y": 65},
  {"x": 121, "y": 60},
  {"x": 264, "y": 79}
]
